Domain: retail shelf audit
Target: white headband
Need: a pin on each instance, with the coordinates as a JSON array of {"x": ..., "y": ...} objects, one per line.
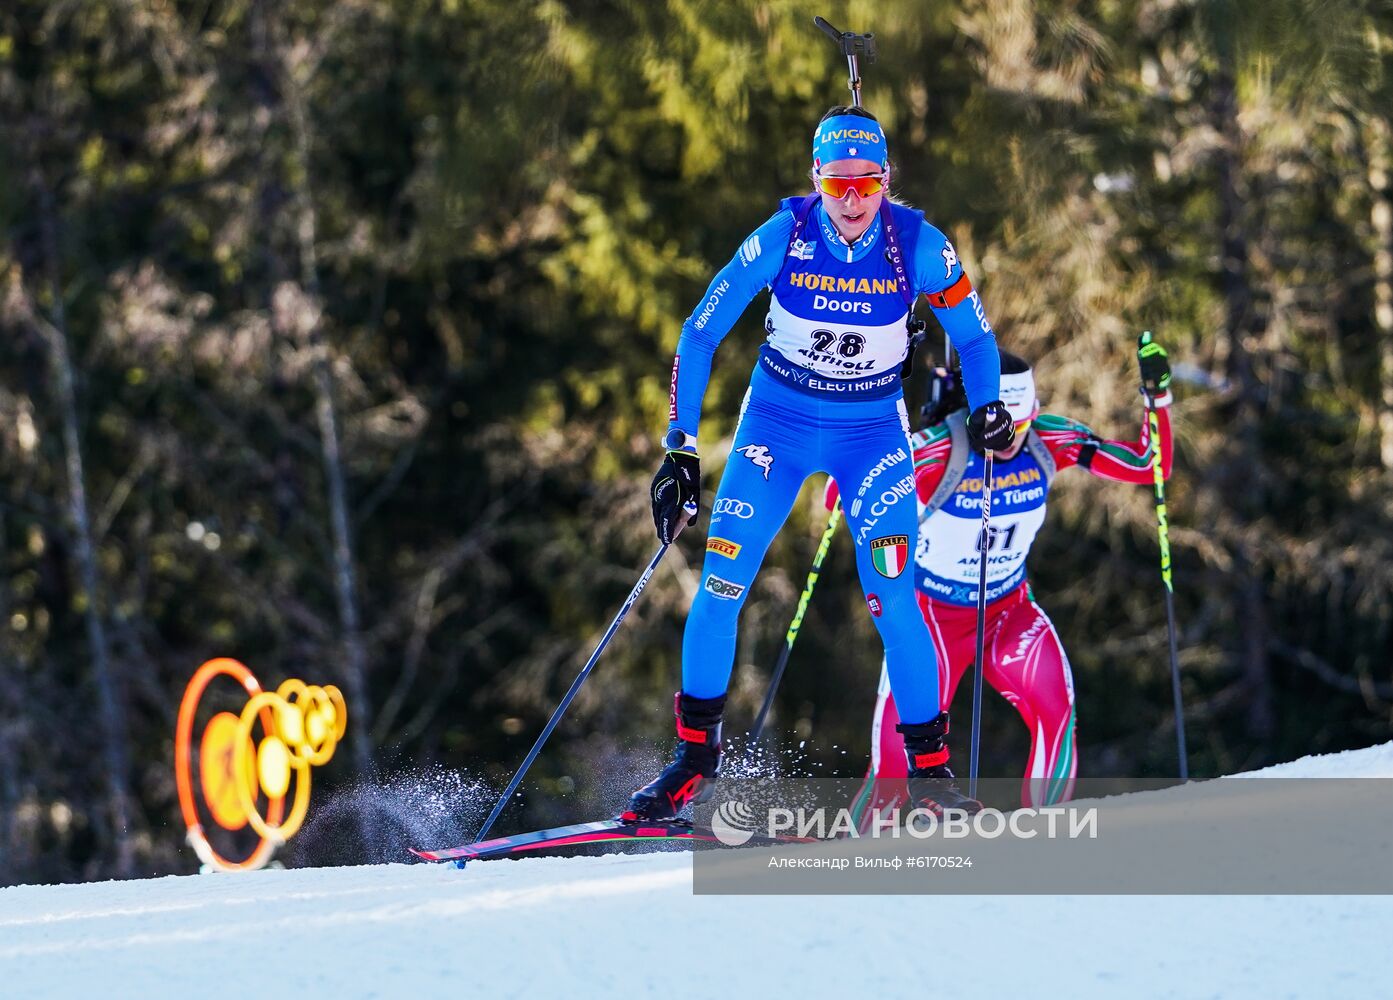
[{"x": 1018, "y": 393}]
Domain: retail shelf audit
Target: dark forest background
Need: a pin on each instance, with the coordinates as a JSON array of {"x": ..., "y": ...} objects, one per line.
[{"x": 335, "y": 337}]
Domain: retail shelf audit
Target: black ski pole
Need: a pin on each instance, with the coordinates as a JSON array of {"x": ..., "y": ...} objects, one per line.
[
  {"x": 983, "y": 547},
  {"x": 575, "y": 686},
  {"x": 833, "y": 519},
  {"x": 1144, "y": 344}
]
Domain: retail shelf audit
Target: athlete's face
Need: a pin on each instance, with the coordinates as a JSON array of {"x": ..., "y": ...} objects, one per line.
[
  {"x": 852, "y": 214},
  {"x": 1017, "y": 443}
]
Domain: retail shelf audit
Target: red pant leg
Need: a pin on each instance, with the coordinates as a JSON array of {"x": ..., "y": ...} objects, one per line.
[
  {"x": 1027, "y": 665},
  {"x": 954, "y": 638}
]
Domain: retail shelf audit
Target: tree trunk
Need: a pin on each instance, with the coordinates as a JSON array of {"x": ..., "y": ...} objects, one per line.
[
  {"x": 1381, "y": 215},
  {"x": 111, "y": 713},
  {"x": 11, "y": 712},
  {"x": 1242, "y": 322},
  {"x": 288, "y": 95}
]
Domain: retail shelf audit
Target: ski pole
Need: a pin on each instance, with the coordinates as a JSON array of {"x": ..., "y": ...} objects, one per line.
[
  {"x": 983, "y": 545},
  {"x": 575, "y": 686},
  {"x": 1163, "y": 534},
  {"x": 833, "y": 519}
]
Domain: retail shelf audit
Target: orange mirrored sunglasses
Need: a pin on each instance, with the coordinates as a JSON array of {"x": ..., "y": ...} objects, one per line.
[{"x": 865, "y": 185}]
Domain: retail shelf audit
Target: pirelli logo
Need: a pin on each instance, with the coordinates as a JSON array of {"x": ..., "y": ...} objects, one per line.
[{"x": 722, "y": 547}]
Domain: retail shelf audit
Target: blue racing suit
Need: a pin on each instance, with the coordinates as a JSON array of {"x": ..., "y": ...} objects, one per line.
[{"x": 825, "y": 395}]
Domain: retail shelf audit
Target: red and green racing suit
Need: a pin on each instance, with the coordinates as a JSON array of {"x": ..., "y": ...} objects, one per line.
[{"x": 1025, "y": 660}]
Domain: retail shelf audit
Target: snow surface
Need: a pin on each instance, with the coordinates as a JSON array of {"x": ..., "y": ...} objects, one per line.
[{"x": 629, "y": 926}]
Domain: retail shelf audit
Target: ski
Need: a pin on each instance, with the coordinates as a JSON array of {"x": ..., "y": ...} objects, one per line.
[{"x": 583, "y": 834}]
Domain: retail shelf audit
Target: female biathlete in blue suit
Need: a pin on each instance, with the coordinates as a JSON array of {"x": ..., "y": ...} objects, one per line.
[{"x": 843, "y": 267}]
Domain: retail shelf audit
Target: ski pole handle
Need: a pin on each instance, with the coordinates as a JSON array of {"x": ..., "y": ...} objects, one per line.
[{"x": 1159, "y": 485}]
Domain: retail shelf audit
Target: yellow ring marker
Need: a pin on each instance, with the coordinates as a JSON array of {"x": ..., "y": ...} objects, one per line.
[
  {"x": 340, "y": 710},
  {"x": 290, "y": 722},
  {"x": 301, "y": 726},
  {"x": 321, "y": 736},
  {"x": 301, "y": 804},
  {"x": 218, "y": 771},
  {"x": 273, "y": 766},
  {"x": 207, "y": 672}
]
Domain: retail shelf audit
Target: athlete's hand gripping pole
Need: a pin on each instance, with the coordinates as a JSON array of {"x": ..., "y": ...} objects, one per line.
[
  {"x": 575, "y": 687},
  {"x": 676, "y": 491},
  {"x": 1156, "y": 377},
  {"x": 983, "y": 548},
  {"x": 833, "y": 519}
]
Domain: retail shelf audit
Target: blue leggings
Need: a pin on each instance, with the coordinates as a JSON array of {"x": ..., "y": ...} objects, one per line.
[{"x": 783, "y": 437}]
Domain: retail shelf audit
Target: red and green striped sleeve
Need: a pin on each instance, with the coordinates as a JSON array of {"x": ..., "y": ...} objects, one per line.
[
  {"x": 931, "y": 446},
  {"x": 1073, "y": 443}
]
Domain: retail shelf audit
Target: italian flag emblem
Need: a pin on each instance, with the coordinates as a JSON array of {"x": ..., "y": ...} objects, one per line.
[{"x": 889, "y": 554}]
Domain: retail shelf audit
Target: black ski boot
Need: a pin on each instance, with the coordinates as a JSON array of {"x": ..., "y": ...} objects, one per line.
[
  {"x": 691, "y": 777},
  {"x": 931, "y": 783}
]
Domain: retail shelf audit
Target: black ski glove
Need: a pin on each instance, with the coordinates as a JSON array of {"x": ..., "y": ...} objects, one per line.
[
  {"x": 675, "y": 493},
  {"x": 990, "y": 427},
  {"x": 945, "y": 395},
  {"x": 1155, "y": 370}
]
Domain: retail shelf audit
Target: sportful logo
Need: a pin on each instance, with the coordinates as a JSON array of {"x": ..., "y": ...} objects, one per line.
[
  {"x": 723, "y": 589},
  {"x": 759, "y": 454},
  {"x": 1023, "y": 643},
  {"x": 889, "y": 555},
  {"x": 950, "y": 259},
  {"x": 736, "y": 508},
  {"x": 898, "y": 455},
  {"x": 749, "y": 250}
]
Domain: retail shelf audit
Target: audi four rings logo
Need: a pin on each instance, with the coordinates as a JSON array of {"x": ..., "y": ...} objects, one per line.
[{"x": 738, "y": 508}]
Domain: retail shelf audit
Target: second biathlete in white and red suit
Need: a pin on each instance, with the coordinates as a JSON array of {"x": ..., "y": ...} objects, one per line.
[{"x": 1025, "y": 660}]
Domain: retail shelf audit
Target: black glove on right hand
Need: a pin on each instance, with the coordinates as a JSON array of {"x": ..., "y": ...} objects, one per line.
[
  {"x": 1155, "y": 368},
  {"x": 675, "y": 493},
  {"x": 990, "y": 428}
]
